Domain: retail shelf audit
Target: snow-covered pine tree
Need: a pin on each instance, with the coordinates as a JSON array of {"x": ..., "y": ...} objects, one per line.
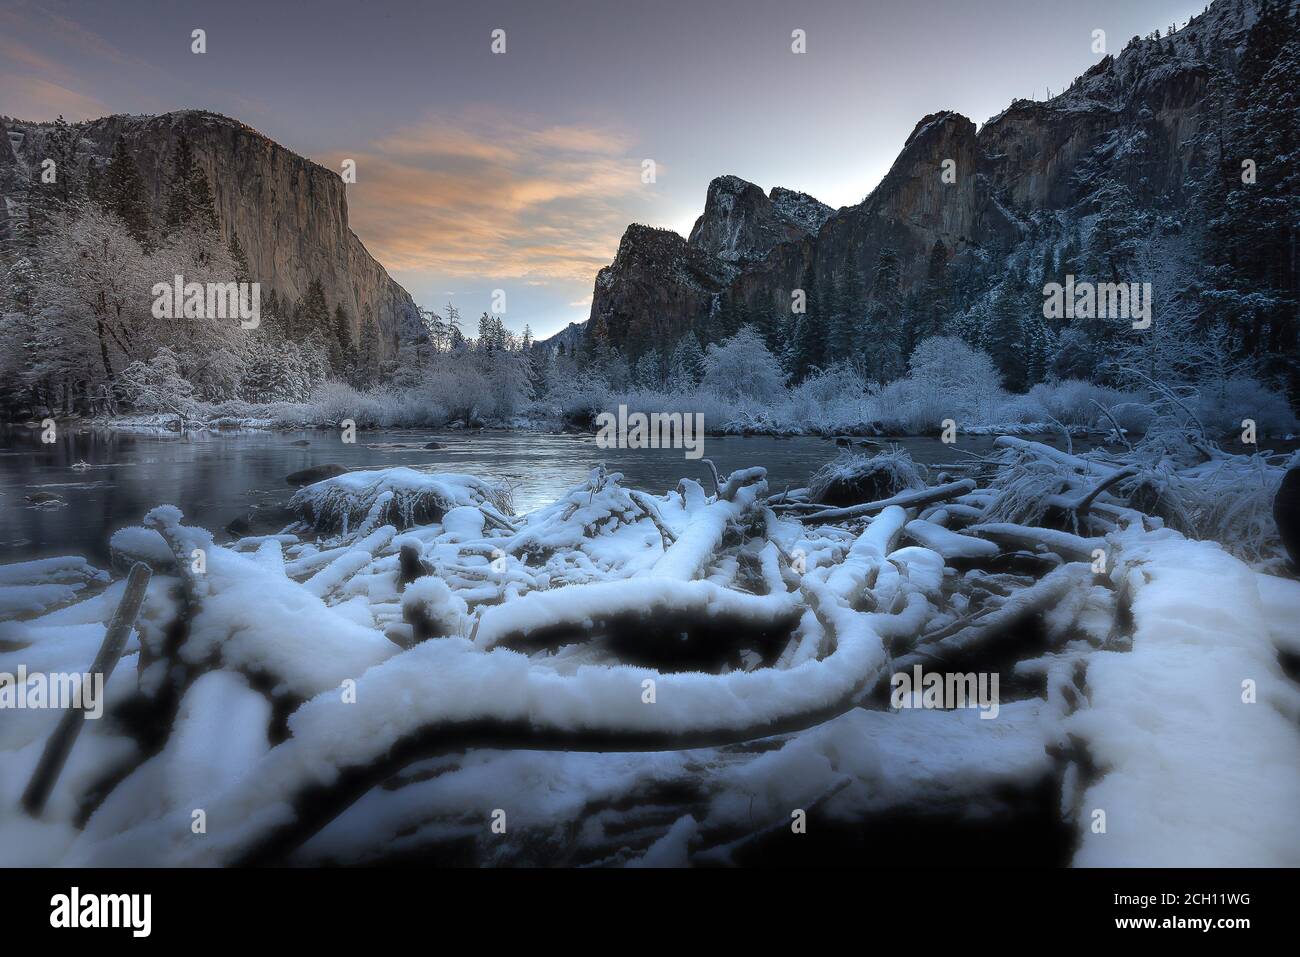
[
  {"x": 312, "y": 315},
  {"x": 686, "y": 366}
]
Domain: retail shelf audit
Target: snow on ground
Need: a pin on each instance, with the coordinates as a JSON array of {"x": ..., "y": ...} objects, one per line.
[
  {"x": 31, "y": 588},
  {"x": 1187, "y": 771},
  {"x": 1192, "y": 774}
]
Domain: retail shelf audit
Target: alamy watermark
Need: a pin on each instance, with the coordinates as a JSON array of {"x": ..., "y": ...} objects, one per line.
[
  {"x": 208, "y": 300},
  {"x": 933, "y": 690},
  {"x": 657, "y": 430},
  {"x": 1104, "y": 300},
  {"x": 75, "y": 909},
  {"x": 83, "y": 691}
]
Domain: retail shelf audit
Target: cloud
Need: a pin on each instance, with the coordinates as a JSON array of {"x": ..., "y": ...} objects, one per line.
[
  {"x": 491, "y": 194},
  {"x": 27, "y": 97}
]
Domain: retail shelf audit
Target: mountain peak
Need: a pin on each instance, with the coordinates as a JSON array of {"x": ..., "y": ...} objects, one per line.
[{"x": 741, "y": 224}]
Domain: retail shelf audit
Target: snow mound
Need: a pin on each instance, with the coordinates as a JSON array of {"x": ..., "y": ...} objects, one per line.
[{"x": 413, "y": 498}]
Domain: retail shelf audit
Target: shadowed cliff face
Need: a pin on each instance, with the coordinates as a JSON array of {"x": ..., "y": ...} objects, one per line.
[
  {"x": 1131, "y": 118},
  {"x": 290, "y": 214}
]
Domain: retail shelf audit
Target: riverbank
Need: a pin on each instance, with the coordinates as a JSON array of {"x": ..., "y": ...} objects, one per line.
[
  {"x": 170, "y": 423},
  {"x": 622, "y": 649}
]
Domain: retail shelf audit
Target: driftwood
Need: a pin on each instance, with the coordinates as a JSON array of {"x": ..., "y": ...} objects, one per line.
[
  {"x": 927, "y": 496},
  {"x": 1027, "y": 536},
  {"x": 850, "y": 592},
  {"x": 60, "y": 743},
  {"x": 1080, "y": 508},
  {"x": 650, "y": 511},
  {"x": 963, "y": 635}
]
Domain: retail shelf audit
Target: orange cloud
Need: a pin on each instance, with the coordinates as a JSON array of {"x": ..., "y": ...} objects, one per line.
[
  {"x": 496, "y": 195},
  {"x": 27, "y": 98}
]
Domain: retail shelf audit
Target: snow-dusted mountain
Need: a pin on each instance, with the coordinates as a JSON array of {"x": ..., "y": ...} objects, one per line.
[
  {"x": 740, "y": 224},
  {"x": 1134, "y": 132},
  {"x": 290, "y": 214}
]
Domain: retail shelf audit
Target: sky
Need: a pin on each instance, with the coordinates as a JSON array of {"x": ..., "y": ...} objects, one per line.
[{"x": 519, "y": 171}]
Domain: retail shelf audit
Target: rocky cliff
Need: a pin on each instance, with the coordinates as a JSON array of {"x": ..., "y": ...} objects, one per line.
[
  {"x": 290, "y": 214},
  {"x": 1133, "y": 118}
]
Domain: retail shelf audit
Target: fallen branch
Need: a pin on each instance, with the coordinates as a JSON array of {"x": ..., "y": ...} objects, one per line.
[
  {"x": 650, "y": 511},
  {"x": 961, "y": 636},
  {"x": 939, "y": 493},
  {"x": 60, "y": 743}
]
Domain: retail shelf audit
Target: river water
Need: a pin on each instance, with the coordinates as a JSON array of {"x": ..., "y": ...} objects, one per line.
[{"x": 105, "y": 480}]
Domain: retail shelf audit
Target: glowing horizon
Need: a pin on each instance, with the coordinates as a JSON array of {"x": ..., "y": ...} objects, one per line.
[{"x": 521, "y": 170}]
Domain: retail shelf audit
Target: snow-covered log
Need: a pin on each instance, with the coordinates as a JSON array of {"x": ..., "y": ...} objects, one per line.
[
  {"x": 1193, "y": 730},
  {"x": 686, "y": 558},
  {"x": 69, "y": 728},
  {"x": 1071, "y": 547},
  {"x": 953, "y": 546},
  {"x": 649, "y": 603},
  {"x": 927, "y": 496}
]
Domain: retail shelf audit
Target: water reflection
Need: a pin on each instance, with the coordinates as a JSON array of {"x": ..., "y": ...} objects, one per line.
[{"x": 105, "y": 480}]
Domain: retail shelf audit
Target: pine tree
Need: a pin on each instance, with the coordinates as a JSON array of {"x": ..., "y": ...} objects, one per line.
[
  {"x": 189, "y": 196},
  {"x": 178, "y": 207},
  {"x": 121, "y": 191},
  {"x": 64, "y": 147},
  {"x": 311, "y": 315},
  {"x": 686, "y": 365},
  {"x": 368, "y": 353},
  {"x": 1253, "y": 280},
  {"x": 45, "y": 201},
  {"x": 1005, "y": 340},
  {"x": 882, "y": 336},
  {"x": 1119, "y": 230},
  {"x": 342, "y": 350}
]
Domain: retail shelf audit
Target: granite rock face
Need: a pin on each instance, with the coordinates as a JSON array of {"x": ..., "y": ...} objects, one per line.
[
  {"x": 740, "y": 224},
  {"x": 290, "y": 214},
  {"x": 1132, "y": 117}
]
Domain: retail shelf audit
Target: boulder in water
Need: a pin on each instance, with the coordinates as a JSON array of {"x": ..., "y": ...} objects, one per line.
[{"x": 317, "y": 473}]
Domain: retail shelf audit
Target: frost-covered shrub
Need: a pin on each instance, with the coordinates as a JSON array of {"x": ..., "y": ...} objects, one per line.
[
  {"x": 947, "y": 379},
  {"x": 333, "y": 402},
  {"x": 830, "y": 399},
  {"x": 1070, "y": 401},
  {"x": 1222, "y": 407},
  {"x": 853, "y": 477},
  {"x": 909, "y": 406},
  {"x": 1019, "y": 409},
  {"x": 157, "y": 385},
  {"x": 578, "y": 399},
  {"x": 903, "y": 407},
  {"x": 1135, "y": 417}
]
